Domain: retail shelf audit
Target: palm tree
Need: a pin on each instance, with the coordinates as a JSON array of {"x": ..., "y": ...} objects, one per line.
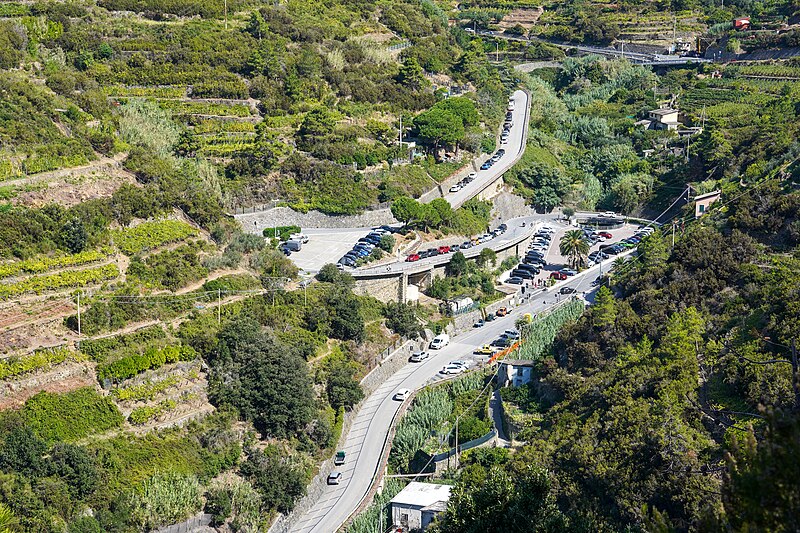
[
  {"x": 8, "y": 522},
  {"x": 575, "y": 246}
]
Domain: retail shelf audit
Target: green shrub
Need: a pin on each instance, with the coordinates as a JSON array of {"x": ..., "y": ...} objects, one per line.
[
  {"x": 283, "y": 232},
  {"x": 70, "y": 416},
  {"x": 99, "y": 349},
  {"x": 12, "y": 367},
  {"x": 142, "y": 415},
  {"x": 129, "y": 366},
  {"x": 165, "y": 498}
]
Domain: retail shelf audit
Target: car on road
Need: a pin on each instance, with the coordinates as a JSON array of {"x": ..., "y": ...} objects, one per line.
[
  {"x": 413, "y": 257},
  {"x": 462, "y": 363},
  {"x": 452, "y": 369},
  {"x": 472, "y": 175},
  {"x": 418, "y": 357},
  {"x": 503, "y": 226},
  {"x": 334, "y": 478},
  {"x": 569, "y": 271},
  {"x": 444, "y": 250},
  {"x": 608, "y": 214},
  {"x": 567, "y": 290},
  {"x": 490, "y": 317},
  {"x": 478, "y": 324},
  {"x": 466, "y": 245},
  {"x": 502, "y": 342},
  {"x": 503, "y": 311},
  {"x": 558, "y": 275},
  {"x": 455, "y": 188},
  {"x": 338, "y": 460},
  {"x": 511, "y": 334},
  {"x": 402, "y": 395},
  {"x": 440, "y": 341},
  {"x": 486, "y": 349},
  {"x": 486, "y": 166}
]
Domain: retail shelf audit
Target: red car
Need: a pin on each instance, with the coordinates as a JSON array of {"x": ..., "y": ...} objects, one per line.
[
  {"x": 604, "y": 234},
  {"x": 444, "y": 249},
  {"x": 412, "y": 257},
  {"x": 558, "y": 275}
]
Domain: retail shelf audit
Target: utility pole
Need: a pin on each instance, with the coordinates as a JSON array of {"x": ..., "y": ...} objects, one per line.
[
  {"x": 687, "y": 147},
  {"x": 79, "y": 316},
  {"x": 623, "y": 49},
  {"x": 219, "y": 306},
  {"x": 675, "y": 32},
  {"x": 456, "y": 443},
  {"x": 673, "y": 234},
  {"x": 795, "y": 376}
]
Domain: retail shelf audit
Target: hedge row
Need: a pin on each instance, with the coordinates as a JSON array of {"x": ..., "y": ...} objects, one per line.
[{"x": 129, "y": 366}]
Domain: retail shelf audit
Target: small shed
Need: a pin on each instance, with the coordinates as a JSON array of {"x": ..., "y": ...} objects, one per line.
[
  {"x": 515, "y": 373},
  {"x": 416, "y": 506},
  {"x": 703, "y": 201},
  {"x": 664, "y": 119}
]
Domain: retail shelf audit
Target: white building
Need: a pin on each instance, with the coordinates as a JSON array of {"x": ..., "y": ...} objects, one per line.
[
  {"x": 415, "y": 507},
  {"x": 515, "y": 373}
]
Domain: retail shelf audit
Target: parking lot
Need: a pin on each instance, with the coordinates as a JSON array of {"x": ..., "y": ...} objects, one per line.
[
  {"x": 326, "y": 246},
  {"x": 556, "y": 262}
]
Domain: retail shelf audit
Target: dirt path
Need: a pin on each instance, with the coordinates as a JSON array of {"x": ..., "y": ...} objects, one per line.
[{"x": 113, "y": 164}]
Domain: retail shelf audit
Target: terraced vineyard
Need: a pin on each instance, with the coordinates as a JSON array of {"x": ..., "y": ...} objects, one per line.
[
  {"x": 62, "y": 280},
  {"x": 150, "y": 235}
]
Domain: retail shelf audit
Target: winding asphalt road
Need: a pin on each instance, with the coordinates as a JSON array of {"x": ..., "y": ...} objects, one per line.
[
  {"x": 371, "y": 425},
  {"x": 514, "y": 147}
]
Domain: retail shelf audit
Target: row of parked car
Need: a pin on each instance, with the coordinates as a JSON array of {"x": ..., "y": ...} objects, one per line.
[
  {"x": 463, "y": 183},
  {"x": 365, "y": 245},
  {"x": 534, "y": 259},
  {"x": 508, "y": 123},
  {"x": 630, "y": 242},
  {"x": 494, "y": 159},
  {"x": 480, "y": 239}
]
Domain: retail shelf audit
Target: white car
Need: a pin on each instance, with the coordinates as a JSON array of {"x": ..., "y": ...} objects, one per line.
[
  {"x": 402, "y": 395},
  {"x": 452, "y": 369},
  {"x": 334, "y": 478},
  {"x": 302, "y": 237},
  {"x": 418, "y": 357},
  {"x": 609, "y": 214},
  {"x": 440, "y": 341},
  {"x": 461, "y": 363},
  {"x": 455, "y": 188}
]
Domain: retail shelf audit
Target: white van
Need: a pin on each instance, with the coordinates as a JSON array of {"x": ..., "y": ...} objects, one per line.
[
  {"x": 440, "y": 341},
  {"x": 302, "y": 237}
]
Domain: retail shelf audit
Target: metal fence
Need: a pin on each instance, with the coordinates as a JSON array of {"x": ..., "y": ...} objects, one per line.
[{"x": 466, "y": 446}]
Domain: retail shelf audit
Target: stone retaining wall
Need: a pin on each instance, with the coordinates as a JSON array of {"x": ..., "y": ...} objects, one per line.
[{"x": 285, "y": 216}]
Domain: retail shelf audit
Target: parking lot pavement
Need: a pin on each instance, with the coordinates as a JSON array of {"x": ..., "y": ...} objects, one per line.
[
  {"x": 326, "y": 246},
  {"x": 555, "y": 261}
]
